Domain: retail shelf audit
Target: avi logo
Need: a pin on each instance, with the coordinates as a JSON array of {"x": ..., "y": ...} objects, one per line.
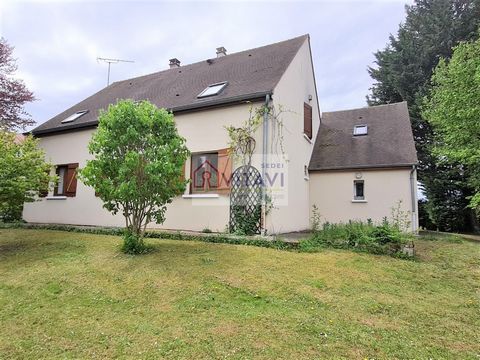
[
  {"x": 211, "y": 171},
  {"x": 205, "y": 176}
]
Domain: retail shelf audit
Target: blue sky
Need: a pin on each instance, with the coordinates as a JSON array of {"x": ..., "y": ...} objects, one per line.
[{"x": 57, "y": 43}]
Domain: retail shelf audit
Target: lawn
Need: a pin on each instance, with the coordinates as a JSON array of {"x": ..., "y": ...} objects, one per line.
[{"x": 73, "y": 295}]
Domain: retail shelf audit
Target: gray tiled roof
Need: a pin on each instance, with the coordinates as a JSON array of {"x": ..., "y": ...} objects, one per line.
[
  {"x": 389, "y": 142},
  {"x": 251, "y": 74}
]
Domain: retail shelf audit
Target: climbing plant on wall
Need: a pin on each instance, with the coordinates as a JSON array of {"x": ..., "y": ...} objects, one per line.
[{"x": 248, "y": 198}]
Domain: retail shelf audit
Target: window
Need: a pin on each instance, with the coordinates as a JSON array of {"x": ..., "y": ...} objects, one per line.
[
  {"x": 358, "y": 190},
  {"x": 360, "y": 130},
  {"x": 212, "y": 90},
  {"x": 307, "y": 120},
  {"x": 67, "y": 180},
  {"x": 211, "y": 172},
  {"x": 74, "y": 116},
  {"x": 61, "y": 171},
  {"x": 204, "y": 172}
]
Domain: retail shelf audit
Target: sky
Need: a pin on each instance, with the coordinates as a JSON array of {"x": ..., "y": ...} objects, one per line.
[{"x": 57, "y": 42}]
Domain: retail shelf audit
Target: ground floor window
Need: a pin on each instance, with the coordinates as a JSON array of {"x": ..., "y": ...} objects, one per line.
[
  {"x": 358, "y": 190},
  {"x": 67, "y": 180},
  {"x": 204, "y": 174}
]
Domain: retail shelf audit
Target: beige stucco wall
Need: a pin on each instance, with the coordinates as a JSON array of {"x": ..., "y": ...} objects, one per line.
[
  {"x": 332, "y": 193},
  {"x": 295, "y": 88},
  {"x": 203, "y": 131}
]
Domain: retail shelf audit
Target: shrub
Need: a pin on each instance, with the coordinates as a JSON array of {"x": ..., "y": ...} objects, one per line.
[
  {"x": 133, "y": 243},
  {"x": 170, "y": 235},
  {"x": 356, "y": 235}
]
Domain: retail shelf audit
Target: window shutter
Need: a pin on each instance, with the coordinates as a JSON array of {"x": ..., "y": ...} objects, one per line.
[
  {"x": 70, "y": 184},
  {"x": 224, "y": 169},
  {"x": 307, "y": 120}
]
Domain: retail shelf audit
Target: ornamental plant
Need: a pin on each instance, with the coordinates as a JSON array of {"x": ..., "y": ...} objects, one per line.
[
  {"x": 24, "y": 174},
  {"x": 137, "y": 167}
]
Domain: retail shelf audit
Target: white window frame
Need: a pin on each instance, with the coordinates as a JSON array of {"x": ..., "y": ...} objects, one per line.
[
  {"x": 208, "y": 91},
  {"x": 74, "y": 117},
  {"x": 358, "y": 130},
  {"x": 355, "y": 196}
]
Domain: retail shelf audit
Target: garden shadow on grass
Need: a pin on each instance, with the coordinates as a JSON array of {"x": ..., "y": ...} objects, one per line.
[{"x": 31, "y": 250}]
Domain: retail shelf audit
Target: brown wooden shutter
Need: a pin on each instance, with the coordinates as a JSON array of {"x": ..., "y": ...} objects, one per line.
[
  {"x": 224, "y": 169},
  {"x": 307, "y": 120},
  {"x": 70, "y": 182}
]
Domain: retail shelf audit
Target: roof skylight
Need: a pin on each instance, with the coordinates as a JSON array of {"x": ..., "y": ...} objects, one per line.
[
  {"x": 212, "y": 90},
  {"x": 360, "y": 130},
  {"x": 74, "y": 116}
]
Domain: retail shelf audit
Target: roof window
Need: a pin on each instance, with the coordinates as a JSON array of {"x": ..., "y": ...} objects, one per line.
[
  {"x": 359, "y": 130},
  {"x": 212, "y": 90},
  {"x": 74, "y": 116}
]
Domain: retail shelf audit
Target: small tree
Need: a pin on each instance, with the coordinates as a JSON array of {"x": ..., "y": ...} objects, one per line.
[
  {"x": 453, "y": 109},
  {"x": 138, "y": 165},
  {"x": 23, "y": 174}
]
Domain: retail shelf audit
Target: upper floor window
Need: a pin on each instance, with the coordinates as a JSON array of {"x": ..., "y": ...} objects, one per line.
[
  {"x": 212, "y": 90},
  {"x": 74, "y": 116},
  {"x": 307, "y": 120},
  {"x": 360, "y": 130}
]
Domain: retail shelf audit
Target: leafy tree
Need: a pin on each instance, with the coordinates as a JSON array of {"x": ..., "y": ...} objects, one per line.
[
  {"x": 138, "y": 165},
  {"x": 402, "y": 73},
  {"x": 13, "y": 93},
  {"x": 23, "y": 174},
  {"x": 453, "y": 109}
]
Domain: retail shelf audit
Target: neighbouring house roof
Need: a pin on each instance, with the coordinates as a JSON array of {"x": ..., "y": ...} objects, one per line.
[
  {"x": 19, "y": 138},
  {"x": 388, "y": 142},
  {"x": 250, "y": 74}
]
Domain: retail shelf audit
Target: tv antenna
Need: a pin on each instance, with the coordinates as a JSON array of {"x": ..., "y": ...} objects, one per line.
[{"x": 110, "y": 62}]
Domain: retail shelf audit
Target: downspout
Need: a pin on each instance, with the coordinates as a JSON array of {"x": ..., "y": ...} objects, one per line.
[
  {"x": 264, "y": 163},
  {"x": 412, "y": 193}
]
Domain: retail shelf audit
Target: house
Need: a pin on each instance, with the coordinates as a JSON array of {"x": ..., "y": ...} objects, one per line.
[
  {"x": 358, "y": 165},
  {"x": 363, "y": 165}
]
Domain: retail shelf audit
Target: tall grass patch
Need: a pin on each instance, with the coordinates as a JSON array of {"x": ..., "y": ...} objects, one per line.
[{"x": 385, "y": 238}]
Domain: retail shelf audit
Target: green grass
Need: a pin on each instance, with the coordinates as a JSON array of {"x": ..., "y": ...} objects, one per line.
[{"x": 74, "y": 295}]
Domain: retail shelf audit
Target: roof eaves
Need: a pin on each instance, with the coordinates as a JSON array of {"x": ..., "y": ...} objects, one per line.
[{"x": 358, "y": 167}]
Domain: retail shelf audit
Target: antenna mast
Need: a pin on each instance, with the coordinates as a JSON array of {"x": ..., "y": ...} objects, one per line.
[{"x": 110, "y": 62}]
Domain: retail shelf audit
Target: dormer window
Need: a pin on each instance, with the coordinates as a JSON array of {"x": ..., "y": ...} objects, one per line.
[
  {"x": 359, "y": 130},
  {"x": 74, "y": 116},
  {"x": 212, "y": 90}
]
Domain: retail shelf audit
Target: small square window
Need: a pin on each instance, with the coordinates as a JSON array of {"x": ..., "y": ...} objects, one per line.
[
  {"x": 74, "y": 116},
  {"x": 212, "y": 90},
  {"x": 360, "y": 130},
  {"x": 358, "y": 190}
]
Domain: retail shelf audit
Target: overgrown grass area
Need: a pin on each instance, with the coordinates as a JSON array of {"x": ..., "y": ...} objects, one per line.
[
  {"x": 384, "y": 238},
  {"x": 75, "y": 295}
]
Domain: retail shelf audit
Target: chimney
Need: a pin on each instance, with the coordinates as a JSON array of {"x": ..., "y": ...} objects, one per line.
[
  {"x": 221, "y": 51},
  {"x": 174, "y": 63}
]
